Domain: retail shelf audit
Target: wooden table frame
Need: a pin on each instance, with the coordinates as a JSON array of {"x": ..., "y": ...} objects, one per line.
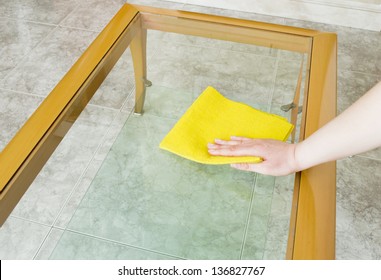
[{"x": 312, "y": 224}]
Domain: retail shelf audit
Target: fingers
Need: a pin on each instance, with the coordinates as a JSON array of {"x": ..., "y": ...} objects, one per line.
[
  {"x": 227, "y": 150},
  {"x": 278, "y": 158},
  {"x": 240, "y": 147},
  {"x": 226, "y": 142},
  {"x": 234, "y": 140},
  {"x": 242, "y": 139}
]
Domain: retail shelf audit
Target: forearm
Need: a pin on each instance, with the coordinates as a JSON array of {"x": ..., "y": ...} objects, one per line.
[{"x": 356, "y": 130}]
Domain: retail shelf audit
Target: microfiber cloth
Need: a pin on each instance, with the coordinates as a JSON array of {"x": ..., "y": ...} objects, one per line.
[{"x": 213, "y": 116}]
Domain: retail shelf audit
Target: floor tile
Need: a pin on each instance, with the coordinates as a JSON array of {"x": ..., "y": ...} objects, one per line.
[
  {"x": 166, "y": 102},
  {"x": 351, "y": 86},
  {"x": 92, "y": 14},
  {"x": 15, "y": 109},
  {"x": 257, "y": 229},
  {"x": 36, "y": 10},
  {"x": 267, "y": 232},
  {"x": 358, "y": 209},
  {"x": 49, "y": 191},
  {"x": 74, "y": 246},
  {"x": 286, "y": 81},
  {"x": 360, "y": 51},
  {"x": 20, "y": 239},
  {"x": 279, "y": 220},
  {"x": 244, "y": 64},
  {"x": 48, "y": 63},
  {"x": 18, "y": 39},
  {"x": 49, "y": 244},
  {"x": 373, "y": 154},
  {"x": 254, "y": 92},
  {"x": 240, "y": 76},
  {"x": 85, "y": 181},
  {"x": 174, "y": 65}
]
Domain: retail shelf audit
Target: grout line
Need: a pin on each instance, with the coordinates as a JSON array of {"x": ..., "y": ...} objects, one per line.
[
  {"x": 28, "y": 21},
  {"x": 273, "y": 82},
  {"x": 23, "y": 92},
  {"x": 248, "y": 216},
  {"x": 116, "y": 110},
  {"x": 42, "y": 244},
  {"x": 122, "y": 244},
  {"x": 80, "y": 29},
  {"x": 62, "y": 22},
  {"x": 29, "y": 220},
  {"x": 269, "y": 217},
  {"x": 124, "y": 106},
  {"x": 36, "y": 223},
  {"x": 69, "y": 14}
]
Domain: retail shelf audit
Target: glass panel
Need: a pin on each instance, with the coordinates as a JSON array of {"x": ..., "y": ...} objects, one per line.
[{"x": 135, "y": 201}]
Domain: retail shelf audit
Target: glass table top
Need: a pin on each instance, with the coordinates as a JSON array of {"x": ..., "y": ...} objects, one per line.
[
  {"x": 145, "y": 203},
  {"x": 92, "y": 166}
]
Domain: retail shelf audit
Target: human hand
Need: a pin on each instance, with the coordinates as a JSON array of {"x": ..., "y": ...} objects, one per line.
[{"x": 278, "y": 157}]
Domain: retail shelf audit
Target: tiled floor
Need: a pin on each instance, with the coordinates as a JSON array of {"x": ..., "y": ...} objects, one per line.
[{"x": 60, "y": 216}]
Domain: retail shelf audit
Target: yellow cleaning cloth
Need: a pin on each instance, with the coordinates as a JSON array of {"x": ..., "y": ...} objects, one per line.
[{"x": 213, "y": 116}]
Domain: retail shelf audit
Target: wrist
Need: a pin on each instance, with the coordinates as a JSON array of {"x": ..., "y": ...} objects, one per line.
[{"x": 298, "y": 159}]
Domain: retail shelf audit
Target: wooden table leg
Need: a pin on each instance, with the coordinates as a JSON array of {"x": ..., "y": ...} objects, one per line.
[{"x": 138, "y": 48}]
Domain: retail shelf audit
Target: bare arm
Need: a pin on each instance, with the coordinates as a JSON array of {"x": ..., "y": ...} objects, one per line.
[{"x": 356, "y": 130}]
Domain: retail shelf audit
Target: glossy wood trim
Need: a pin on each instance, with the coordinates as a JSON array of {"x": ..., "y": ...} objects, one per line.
[
  {"x": 315, "y": 220},
  {"x": 229, "y": 29},
  {"x": 227, "y": 32},
  {"x": 223, "y": 21},
  {"x": 138, "y": 49}
]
